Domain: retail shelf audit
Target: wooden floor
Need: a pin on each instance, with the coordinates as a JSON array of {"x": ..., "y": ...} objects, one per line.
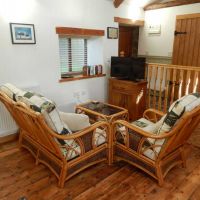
[{"x": 20, "y": 177}]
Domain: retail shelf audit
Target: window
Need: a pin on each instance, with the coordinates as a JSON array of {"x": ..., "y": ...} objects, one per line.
[{"x": 73, "y": 54}]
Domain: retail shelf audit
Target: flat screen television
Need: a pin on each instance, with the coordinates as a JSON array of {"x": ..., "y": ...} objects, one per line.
[{"x": 128, "y": 68}]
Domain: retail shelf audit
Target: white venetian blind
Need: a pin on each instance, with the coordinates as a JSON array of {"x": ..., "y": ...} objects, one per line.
[{"x": 73, "y": 54}]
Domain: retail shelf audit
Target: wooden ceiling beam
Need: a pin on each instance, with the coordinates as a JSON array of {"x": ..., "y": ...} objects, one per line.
[
  {"x": 117, "y": 3},
  {"x": 128, "y": 22},
  {"x": 159, "y": 4}
]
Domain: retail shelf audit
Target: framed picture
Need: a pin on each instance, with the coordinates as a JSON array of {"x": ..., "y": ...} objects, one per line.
[
  {"x": 112, "y": 33},
  {"x": 22, "y": 33}
]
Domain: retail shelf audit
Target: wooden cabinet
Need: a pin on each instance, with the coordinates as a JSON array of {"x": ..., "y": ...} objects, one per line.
[{"x": 128, "y": 94}]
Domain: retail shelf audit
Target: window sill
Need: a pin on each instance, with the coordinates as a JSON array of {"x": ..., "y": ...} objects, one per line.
[{"x": 80, "y": 77}]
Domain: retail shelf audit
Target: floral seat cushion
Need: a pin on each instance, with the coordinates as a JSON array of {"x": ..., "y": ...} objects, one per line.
[{"x": 150, "y": 127}]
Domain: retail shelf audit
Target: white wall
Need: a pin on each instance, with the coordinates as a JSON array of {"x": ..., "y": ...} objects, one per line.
[
  {"x": 38, "y": 65},
  {"x": 162, "y": 45}
]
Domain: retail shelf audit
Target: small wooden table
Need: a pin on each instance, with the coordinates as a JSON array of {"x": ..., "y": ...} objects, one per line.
[{"x": 98, "y": 111}]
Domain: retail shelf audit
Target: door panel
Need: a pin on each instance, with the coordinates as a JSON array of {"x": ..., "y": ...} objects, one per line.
[
  {"x": 125, "y": 40},
  {"x": 128, "y": 40},
  {"x": 186, "y": 50},
  {"x": 196, "y": 58}
]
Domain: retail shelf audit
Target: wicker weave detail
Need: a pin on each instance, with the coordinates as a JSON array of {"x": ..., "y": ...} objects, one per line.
[
  {"x": 87, "y": 141},
  {"x": 51, "y": 162},
  {"x": 30, "y": 146},
  {"x": 99, "y": 156},
  {"x": 125, "y": 155},
  {"x": 119, "y": 137},
  {"x": 134, "y": 139}
]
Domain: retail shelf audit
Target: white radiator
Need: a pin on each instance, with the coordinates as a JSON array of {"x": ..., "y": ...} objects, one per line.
[{"x": 7, "y": 123}]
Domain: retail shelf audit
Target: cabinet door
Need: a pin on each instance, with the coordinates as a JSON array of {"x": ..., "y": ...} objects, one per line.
[
  {"x": 136, "y": 106},
  {"x": 118, "y": 99},
  {"x": 129, "y": 96},
  {"x": 132, "y": 108}
]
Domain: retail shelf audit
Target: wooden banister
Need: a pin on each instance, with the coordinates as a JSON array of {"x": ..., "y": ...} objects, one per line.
[{"x": 166, "y": 83}]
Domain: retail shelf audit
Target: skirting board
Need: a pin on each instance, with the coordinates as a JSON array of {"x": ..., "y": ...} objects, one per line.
[{"x": 9, "y": 138}]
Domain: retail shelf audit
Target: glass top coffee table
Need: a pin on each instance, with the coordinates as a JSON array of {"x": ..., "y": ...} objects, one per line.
[{"x": 98, "y": 111}]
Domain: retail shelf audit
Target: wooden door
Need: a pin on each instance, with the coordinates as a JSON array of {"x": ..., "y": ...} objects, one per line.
[
  {"x": 128, "y": 40},
  {"x": 186, "y": 50}
]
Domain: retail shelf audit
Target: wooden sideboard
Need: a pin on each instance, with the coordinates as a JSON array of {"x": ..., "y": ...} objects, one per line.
[{"x": 128, "y": 94}]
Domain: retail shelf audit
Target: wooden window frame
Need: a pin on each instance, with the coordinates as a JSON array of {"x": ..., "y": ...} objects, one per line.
[{"x": 80, "y": 32}]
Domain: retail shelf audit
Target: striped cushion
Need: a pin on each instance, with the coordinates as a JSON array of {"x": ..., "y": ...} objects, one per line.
[
  {"x": 177, "y": 109},
  {"x": 48, "y": 109}
]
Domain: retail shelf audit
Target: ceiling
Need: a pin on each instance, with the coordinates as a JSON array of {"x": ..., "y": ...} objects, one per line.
[
  {"x": 141, "y": 3},
  {"x": 153, "y": 4}
]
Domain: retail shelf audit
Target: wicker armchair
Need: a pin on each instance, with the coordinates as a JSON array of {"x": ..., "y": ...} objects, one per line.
[
  {"x": 131, "y": 143},
  {"x": 42, "y": 142}
]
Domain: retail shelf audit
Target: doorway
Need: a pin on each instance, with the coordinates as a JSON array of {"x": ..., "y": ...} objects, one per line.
[{"x": 128, "y": 40}]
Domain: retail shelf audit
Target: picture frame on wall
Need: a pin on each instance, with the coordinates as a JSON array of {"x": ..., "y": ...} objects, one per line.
[
  {"x": 112, "y": 33},
  {"x": 22, "y": 33}
]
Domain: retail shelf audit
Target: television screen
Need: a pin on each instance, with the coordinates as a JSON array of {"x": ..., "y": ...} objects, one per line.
[
  {"x": 120, "y": 67},
  {"x": 138, "y": 68},
  {"x": 129, "y": 68}
]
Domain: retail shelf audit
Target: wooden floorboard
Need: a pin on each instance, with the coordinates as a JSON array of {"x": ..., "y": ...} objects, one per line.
[
  {"x": 8, "y": 145},
  {"x": 19, "y": 176},
  {"x": 196, "y": 194}
]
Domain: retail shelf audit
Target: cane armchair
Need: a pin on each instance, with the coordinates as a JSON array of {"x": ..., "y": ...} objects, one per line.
[
  {"x": 47, "y": 147},
  {"x": 155, "y": 154}
]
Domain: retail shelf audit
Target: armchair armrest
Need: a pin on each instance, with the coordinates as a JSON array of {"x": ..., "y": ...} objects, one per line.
[
  {"x": 153, "y": 114},
  {"x": 138, "y": 141},
  {"x": 141, "y": 132},
  {"x": 83, "y": 131},
  {"x": 87, "y": 140}
]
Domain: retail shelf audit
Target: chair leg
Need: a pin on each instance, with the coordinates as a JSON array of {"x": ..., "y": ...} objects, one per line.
[
  {"x": 183, "y": 158},
  {"x": 20, "y": 139},
  {"x": 110, "y": 156},
  {"x": 37, "y": 157},
  {"x": 110, "y": 147},
  {"x": 62, "y": 177},
  {"x": 159, "y": 175}
]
